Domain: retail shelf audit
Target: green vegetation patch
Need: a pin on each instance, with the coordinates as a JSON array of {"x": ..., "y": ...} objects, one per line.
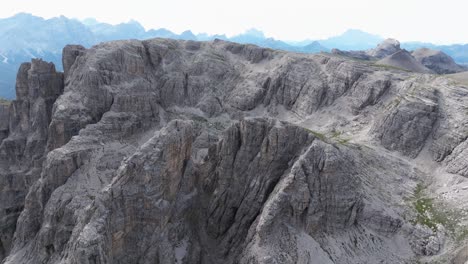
[
  {"x": 335, "y": 136},
  {"x": 431, "y": 213},
  {"x": 462, "y": 234},
  {"x": 199, "y": 119},
  {"x": 317, "y": 134},
  {"x": 390, "y": 67},
  {"x": 216, "y": 56}
]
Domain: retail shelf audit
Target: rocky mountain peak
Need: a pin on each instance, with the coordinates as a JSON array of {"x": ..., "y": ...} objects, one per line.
[
  {"x": 403, "y": 59},
  {"x": 385, "y": 48},
  {"x": 422, "y": 60},
  {"x": 175, "y": 151},
  {"x": 437, "y": 61}
]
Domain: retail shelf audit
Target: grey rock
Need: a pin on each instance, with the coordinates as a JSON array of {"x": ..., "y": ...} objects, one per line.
[
  {"x": 408, "y": 122},
  {"x": 356, "y": 54},
  {"x": 175, "y": 152},
  {"x": 422, "y": 60},
  {"x": 259, "y": 182},
  {"x": 426, "y": 241},
  {"x": 4, "y": 119},
  {"x": 461, "y": 256},
  {"x": 384, "y": 49},
  {"x": 457, "y": 161},
  {"x": 22, "y": 150},
  {"x": 69, "y": 55},
  {"x": 437, "y": 61},
  {"x": 402, "y": 59}
]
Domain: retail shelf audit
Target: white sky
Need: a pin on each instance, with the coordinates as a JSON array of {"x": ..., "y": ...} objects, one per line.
[{"x": 423, "y": 20}]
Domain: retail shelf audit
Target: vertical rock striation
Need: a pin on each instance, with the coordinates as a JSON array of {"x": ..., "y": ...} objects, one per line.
[
  {"x": 22, "y": 151},
  {"x": 165, "y": 151}
]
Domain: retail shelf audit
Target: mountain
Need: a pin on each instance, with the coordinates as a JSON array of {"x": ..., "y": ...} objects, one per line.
[
  {"x": 254, "y": 36},
  {"x": 25, "y": 36},
  {"x": 107, "y": 32},
  {"x": 178, "y": 151},
  {"x": 385, "y": 48},
  {"x": 352, "y": 39},
  {"x": 48, "y": 35},
  {"x": 355, "y": 40},
  {"x": 161, "y": 33},
  {"x": 437, "y": 61},
  {"x": 414, "y": 45},
  {"x": 457, "y": 51},
  {"x": 390, "y": 53},
  {"x": 403, "y": 59},
  {"x": 313, "y": 47}
]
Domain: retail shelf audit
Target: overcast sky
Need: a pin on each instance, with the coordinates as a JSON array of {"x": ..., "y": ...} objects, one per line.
[{"x": 423, "y": 20}]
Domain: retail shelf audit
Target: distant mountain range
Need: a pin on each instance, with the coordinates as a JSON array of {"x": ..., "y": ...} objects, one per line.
[{"x": 25, "y": 36}]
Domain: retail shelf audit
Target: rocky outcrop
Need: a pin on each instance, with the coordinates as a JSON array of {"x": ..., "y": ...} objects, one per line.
[
  {"x": 23, "y": 149},
  {"x": 408, "y": 121},
  {"x": 4, "y": 119},
  {"x": 457, "y": 161},
  {"x": 402, "y": 59},
  {"x": 69, "y": 55},
  {"x": 358, "y": 54},
  {"x": 437, "y": 61},
  {"x": 262, "y": 180},
  {"x": 421, "y": 60},
  {"x": 384, "y": 49},
  {"x": 452, "y": 125},
  {"x": 214, "y": 152}
]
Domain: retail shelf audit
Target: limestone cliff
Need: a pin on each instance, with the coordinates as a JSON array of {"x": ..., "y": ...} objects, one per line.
[{"x": 165, "y": 151}]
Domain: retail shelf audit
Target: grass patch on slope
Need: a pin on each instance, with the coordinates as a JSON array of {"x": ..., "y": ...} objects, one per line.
[
  {"x": 337, "y": 136},
  {"x": 430, "y": 213},
  {"x": 318, "y": 135},
  {"x": 425, "y": 210},
  {"x": 334, "y": 136},
  {"x": 390, "y": 67}
]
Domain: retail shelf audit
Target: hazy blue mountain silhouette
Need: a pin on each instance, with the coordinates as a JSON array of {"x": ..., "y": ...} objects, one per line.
[
  {"x": 254, "y": 36},
  {"x": 24, "y": 36},
  {"x": 352, "y": 39}
]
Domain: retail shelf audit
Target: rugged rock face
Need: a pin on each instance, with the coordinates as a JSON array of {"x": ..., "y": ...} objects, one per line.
[
  {"x": 457, "y": 161},
  {"x": 4, "y": 119},
  {"x": 384, "y": 49},
  {"x": 70, "y": 53},
  {"x": 22, "y": 151},
  {"x": 408, "y": 122},
  {"x": 357, "y": 54},
  {"x": 437, "y": 61},
  {"x": 165, "y": 151}
]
